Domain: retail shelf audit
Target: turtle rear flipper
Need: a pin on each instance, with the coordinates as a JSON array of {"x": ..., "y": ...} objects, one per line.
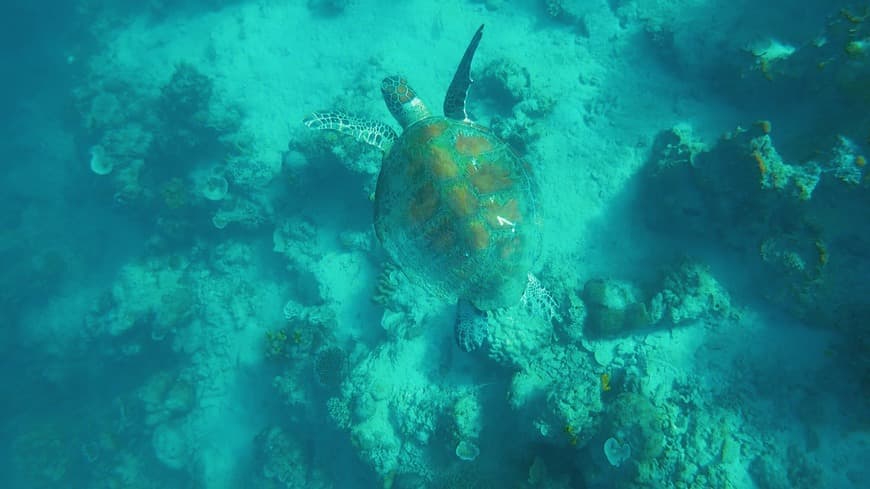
[
  {"x": 470, "y": 326},
  {"x": 454, "y": 101},
  {"x": 370, "y": 132}
]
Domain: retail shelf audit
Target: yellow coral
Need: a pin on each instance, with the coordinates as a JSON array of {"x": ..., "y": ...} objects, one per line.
[
  {"x": 762, "y": 166},
  {"x": 854, "y": 18},
  {"x": 764, "y": 125},
  {"x": 571, "y": 431},
  {"x": 276, "y": 343},
  {"x": 823, "y": 253},
  {"x": 605, "y": 382},
  {"x": 764, "y": 66}
]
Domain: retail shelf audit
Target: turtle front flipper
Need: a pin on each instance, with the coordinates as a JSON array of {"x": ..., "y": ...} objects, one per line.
[
  {"x": 454, "y": 102},
  {"x": 375, "y": 133}
]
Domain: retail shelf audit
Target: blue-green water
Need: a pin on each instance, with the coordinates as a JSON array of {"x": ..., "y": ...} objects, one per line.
[{"x": 194, "y": 295}]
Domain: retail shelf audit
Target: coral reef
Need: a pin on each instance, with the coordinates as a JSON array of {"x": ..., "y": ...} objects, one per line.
[
  {"x": 406, "y": 308},
  {"x": 172, "y": 445},
  {"x": 244, "y": 212},
  {"x": 153, "y": 136},
  {"x": 742, "y": 197},
  {"x": 215, "y": 187},
  {"x": 387, "y": 410},
  {"x": 296, "y": 239},
  {"x": 613, "y": 307},
  {"x": 554, "y": 384},
  {"x": 571, "y": 12},
  {"x": 148, "y": 299},
  {"x": 165, "y": 397},
  {"x": 285, "y": 464},
  {"x": 616, "y": 452},
  {"x": 330, "y": 366},
  {"x": 690, "y": 292},
  {"x": 42, "y": 456},
  {"x": 648, "y": 376},
  {"x": 516, "y": 103},
  {"x": 99, "y": 163},
  {"x": 635, "y": 422}
]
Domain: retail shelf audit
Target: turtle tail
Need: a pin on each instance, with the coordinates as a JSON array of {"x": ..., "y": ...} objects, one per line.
[
  {"x": 402, "y": 101},
  {"x": 375, "y": 133}
]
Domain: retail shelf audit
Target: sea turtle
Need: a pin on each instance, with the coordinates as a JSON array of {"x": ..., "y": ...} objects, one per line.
[{"x": 454, "y": 205}]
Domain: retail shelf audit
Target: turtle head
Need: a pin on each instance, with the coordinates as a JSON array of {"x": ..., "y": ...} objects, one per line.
[{"x": 402, "y": 101}]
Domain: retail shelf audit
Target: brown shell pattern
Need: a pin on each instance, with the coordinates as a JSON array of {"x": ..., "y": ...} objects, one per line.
[{"x": 455, "y": 208}]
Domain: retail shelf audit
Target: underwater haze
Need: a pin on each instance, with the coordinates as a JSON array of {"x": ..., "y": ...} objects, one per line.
[{"x": 636, "y": 254}]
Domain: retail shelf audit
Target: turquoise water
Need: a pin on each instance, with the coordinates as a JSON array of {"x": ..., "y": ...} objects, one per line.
[{"x": 194, "y": 295}]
